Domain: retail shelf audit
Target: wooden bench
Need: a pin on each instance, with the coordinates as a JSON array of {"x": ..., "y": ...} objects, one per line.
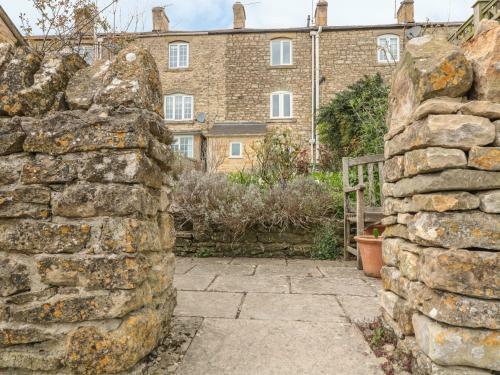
[{"x": 359, "y": 213}]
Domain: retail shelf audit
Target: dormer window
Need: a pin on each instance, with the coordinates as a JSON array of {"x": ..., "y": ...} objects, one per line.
[
  {"x": 281, "y": 52},
  {"x": 178, "y": 55},
  {"x": 388, "y": 48}
]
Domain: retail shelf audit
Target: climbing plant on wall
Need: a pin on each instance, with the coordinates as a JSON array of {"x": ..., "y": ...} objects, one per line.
[{"x": 353, "y": 122}]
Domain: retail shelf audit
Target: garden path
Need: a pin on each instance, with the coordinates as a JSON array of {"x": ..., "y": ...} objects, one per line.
[{"x": 275, "y": 316}]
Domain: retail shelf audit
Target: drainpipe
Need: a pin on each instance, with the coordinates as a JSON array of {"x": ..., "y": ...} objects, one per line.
[
  {"x": 316, "y": 138},
  {"x": 313, "y": 100}
]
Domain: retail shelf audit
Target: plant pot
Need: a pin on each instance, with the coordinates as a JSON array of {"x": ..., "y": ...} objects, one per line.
[{"x": 370, "y": 249}]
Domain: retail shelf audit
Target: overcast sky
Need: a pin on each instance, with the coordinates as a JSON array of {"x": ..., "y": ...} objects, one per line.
[{"x": 217, "y": 14}]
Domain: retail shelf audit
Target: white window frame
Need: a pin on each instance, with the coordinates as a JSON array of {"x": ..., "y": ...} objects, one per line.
[
  {"x": 176, "y": 146},
  {"x": 86, "y": 52},
  {"x": 178, "y": 60},
  {"x": 281, "y": 51},
  {"x": 388, "y": 59},
  {"x": 177, "y": 97},
  {"x": 281, "y": 114},
  {"x": 231, "y": 156}
]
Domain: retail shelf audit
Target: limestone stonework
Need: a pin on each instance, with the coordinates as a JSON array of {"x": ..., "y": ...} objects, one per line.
[
  {"x": 86, "y": 261},
  {"x": 231, "y": 78},
  {"x": 442, "y": 250}
]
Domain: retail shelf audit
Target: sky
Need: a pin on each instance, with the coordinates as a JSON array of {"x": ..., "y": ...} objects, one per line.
[{"x": 217, "y": 14}]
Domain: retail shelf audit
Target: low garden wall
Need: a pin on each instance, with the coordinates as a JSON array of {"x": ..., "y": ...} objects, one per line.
[
  {"x": 442, "y": 242},
  {"x": 255, "y": 243},
  {"x": 86, "y": 262}
]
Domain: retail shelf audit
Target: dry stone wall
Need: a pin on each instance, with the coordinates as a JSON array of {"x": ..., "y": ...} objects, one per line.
[
  {"x": 86, "y": 262},
  {"x": 292, "y": 243},
  {"x": 441, "y": 249}
]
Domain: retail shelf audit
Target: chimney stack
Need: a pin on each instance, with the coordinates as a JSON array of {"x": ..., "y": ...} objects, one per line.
[
  {"x": 406, "y": 12},
  {"x": 239, "y": 15},
  {"x": 160, "y": 20},
  {"x": 321, "y": 14},
  {"x": 84, "y": 19}
]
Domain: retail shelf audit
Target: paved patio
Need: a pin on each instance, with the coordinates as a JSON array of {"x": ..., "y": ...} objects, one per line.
[{"x": 276, "y": 316}]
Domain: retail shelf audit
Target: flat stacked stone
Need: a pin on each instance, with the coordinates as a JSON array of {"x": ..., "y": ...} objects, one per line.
[
  {"x": 441, "y": 250},
  {"x": 86, "y": 240}
]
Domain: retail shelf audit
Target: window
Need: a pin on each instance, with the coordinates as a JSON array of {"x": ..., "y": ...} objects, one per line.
[
  {"x": 281, "y": 105},
  {"x": 86, "y": 52},
  {"x": 388, "y": 48},
  {"x": 178, "y": 107},
  {"x": 178, "y": 55},
  {"x": 281, "y": 52},
  {"x": 183, "y": 144},
  {"x": 236, "y": 149}
]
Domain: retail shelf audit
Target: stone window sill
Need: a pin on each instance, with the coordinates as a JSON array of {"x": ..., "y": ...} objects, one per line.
[
  {"x": 278, "y": 67},
  {"x": 281, "y": 120},
  {"x": 170, "y": 122},
  {"x": 178, "y": 70}
]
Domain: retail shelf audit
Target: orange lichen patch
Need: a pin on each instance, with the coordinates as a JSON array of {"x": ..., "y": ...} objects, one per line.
[
  {"x": 65, "y": 229},
  {"x": 443, "y": 202},
  {"x": 490, "y": 160}
]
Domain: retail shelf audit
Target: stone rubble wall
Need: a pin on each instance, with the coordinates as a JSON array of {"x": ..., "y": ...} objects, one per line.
[
  {"x": 441, "y": 249},
  {"x": 256, "y": 243},
  {"x": 86, "y": 261}
]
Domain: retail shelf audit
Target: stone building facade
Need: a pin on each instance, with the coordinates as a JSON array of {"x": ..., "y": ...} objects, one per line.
[
  {"x": 8, "y": 31},
  {"x": 229, "y": 76}
]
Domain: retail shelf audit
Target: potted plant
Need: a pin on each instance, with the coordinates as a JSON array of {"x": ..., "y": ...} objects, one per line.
[{"x": 370, "y": 248}]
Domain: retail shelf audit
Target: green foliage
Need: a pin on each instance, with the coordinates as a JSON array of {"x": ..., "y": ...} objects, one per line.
[
  {"x": 353, "y": 123},
  {"x": 378, "y": 335},
  {"x": 243, "y": 178},
  {"x": 334, "y": 182},
  {"x": 278, "y": 157},
  {"x": 376, "y": 233},
  {"x": 326, "y": 243},
  {"x": 212, "y": 201},
  {"x": 203, "y": 253}
]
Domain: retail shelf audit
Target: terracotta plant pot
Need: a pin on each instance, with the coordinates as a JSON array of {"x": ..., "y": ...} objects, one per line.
[{"x": 370, "y": 249}]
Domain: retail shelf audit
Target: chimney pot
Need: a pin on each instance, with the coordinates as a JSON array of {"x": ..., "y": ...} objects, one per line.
[
  {"x": 321, "y": 14},
  {"x": 406, "y": 12},
  {"x": 239, "y": 15},
  {"x": 160, "y": 20}
]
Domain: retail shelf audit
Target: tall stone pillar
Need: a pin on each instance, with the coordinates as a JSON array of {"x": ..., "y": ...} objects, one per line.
[
  {"x": 86, "y": 263},
  {"x": 442, "y": 245}
]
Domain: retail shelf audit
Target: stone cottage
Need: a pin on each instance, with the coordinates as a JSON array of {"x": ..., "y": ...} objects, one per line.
[{"x": 221, "y": 88}]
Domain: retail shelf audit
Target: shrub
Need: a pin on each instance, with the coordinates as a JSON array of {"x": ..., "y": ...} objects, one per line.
[
  {"x": 326, "y": 243},
  {"x": 353, "y": 123},
  {"x": 211, "y": 201},
  {"x": 279, "y": 158}
]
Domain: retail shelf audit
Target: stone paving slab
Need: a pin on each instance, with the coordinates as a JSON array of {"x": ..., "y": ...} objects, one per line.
[
  {"x": 182, "y": 266},
  {"x": 328, "y": 285},
  {"x": 289, "y": 270},
  {"x": 341, "y": 272},
  {"x": 222, "y": 269},
  {"x": 257, "y": 261},
  {"x": 360, "y": 309},
  {"x": 323, "y": 263},
  {"x": 231, "y": 283},
  {"x": 208, "y": 304},
  {"x": 312, "y": 308},
  {"x": 193, "y": 282},
  {"x": 253, "y": 347},
  {"x": 211, "y": 260}
]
